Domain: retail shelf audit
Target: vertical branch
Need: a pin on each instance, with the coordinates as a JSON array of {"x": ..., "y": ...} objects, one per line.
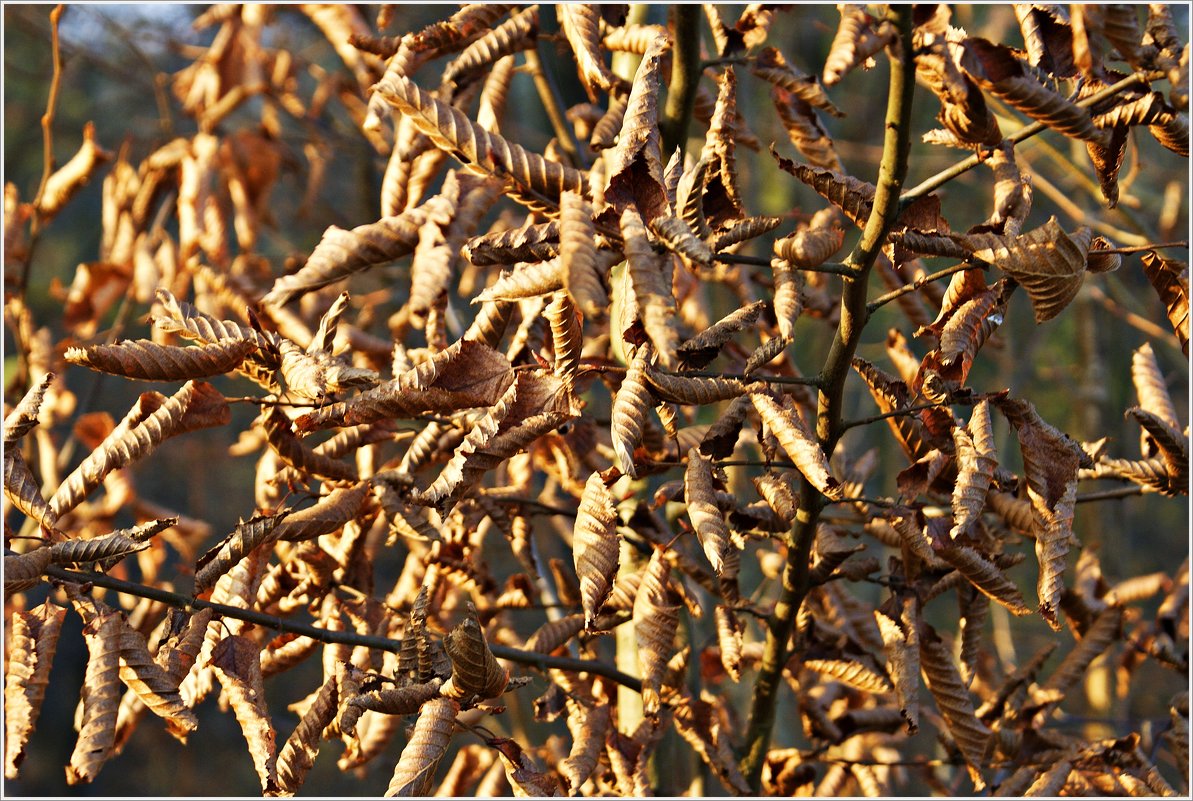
[
  {"x": 891, "y": 172},
  {"x": 685, "y": 77}
]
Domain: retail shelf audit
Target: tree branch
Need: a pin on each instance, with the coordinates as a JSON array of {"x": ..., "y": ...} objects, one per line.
[
  {"x": 1026, "y": 132},
  {"x": 685, "y": 78},
  {"x": 518, "y": 655},
  {"x": 891, "y": 172}
]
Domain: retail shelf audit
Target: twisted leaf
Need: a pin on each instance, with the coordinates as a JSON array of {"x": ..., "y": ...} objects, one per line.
[
  {"x": 528, "y": 177},
  {"x": 427, "y": 745},
  {"x": 944, "y": 682},
  {"x": 595, "y": 546},
  {"x": 33, "y": 639},
  {"x": 799, "y": 444},
  {"x": 656, "y": 620},
  {"x": 100, "y": 698},
  {"x": 1170, "y": 279},
  {"x": 23, "y": 417},
  {"x": 630, "y": 406},
  {"x": 702, "y": 510},
  {"x": 581, "y": 25},
  {"x": 976, "y": 460},
  {"x": 237, "y": 663},
  {"x": 475, "y": 671},
  {"x": 149, "y": 361}
]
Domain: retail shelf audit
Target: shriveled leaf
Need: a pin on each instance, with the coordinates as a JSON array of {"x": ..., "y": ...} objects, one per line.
[
  {"x": 581, "y": 25},
  {"x": 149, "y": 361},
  {"x": 582, "y": 277},
  {"x": 517, "y": 33},
  {"x": 595, "y": 546},
  {"x": 100, "y": 699},
  {"x": 1170, "y": 279},
  {"x": 237, "y": 663},
  {"x": 799, "y": 443},
  {"x": 859, "y": 36},
  {"x": 944, "y": 682},
  {"x": 900, "y": 638},
  {"x": 998, "y": 70},
  {"x": 656, "y": 619},
  {"x": 976, "y": 460},
  {"x": 1049, "y": 263},
  {"x": 1050, "y": 460},
  {"x": 630, "y": 407},
  {"x": 302, "y": 746},
  {"x": 22, "y": 489},
  {"x": 33, "y": 639},
  {"x": 634, "y": 167},
  {"x": 23, "y": 417},
  {"x": 415, "y": 771},
  {"x": 706, "y": 518},
  {"x": 528, "y": 177},
  {"x": 588, "y": 727},
  {"x": 1150, "y": 387},
  {"x": 475, "y": 671}
]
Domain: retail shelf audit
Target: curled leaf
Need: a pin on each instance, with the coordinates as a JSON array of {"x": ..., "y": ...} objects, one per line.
[
  {"x": 596, "y": 546},
  {"x": 33, "y": 638},
  {"x": 427, "y": 745}
]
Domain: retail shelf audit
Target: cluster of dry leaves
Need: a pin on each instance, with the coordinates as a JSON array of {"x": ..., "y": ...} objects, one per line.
[{"x": 593, "y": 363}]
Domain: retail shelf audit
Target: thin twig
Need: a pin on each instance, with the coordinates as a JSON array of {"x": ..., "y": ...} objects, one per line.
[
  {"x": 1026, "y": 132},
  {"x": 895, "y": 294},
  {"x": 1131, "y": 318},
  {"x": 518, "y": 655},
  {"x": 861, "y": 421},
  {"x": 549, "y": 95},
  {"x": 1184, "y": 243},
  {"x": 854, "y": 313},
  {"x": 734, "y": 258},
  {"x": 1110, "y": 495}
]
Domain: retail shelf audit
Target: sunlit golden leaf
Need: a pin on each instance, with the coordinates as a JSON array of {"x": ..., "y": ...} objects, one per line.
[
  {"x": 797, "y": 441},
  {"x": 859, "y": 37},
  {"x": 976, "y": 460},
  {"x": 630, "y": 407},
  {"x": 72, "y": 176},
  {"x": 581, "y": 25},
  {"x": 415, "y": 771},
  {"x": 656, "y": 619},
  {"x": 23, "y": 417},
  {"x": 237, "y": 663},
  {"x": 528, "y": 177},
  {"x": 954, "y": 702},
  {"x": 33, "y": 639},
  {"x": 1170, "y": 279},
  {"x": 517, "y": 33},
  {"x": 706, "y": 518},
  {"x": 900, "y": 638},
  {"x": 100, "y": 699},
  {"x": 595, "y": 546}
]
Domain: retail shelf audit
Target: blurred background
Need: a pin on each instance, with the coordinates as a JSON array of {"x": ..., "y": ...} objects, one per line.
[{"x": 119, "y": 61}]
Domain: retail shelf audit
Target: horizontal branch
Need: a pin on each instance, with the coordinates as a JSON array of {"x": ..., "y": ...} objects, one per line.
[
  {"x": 1184, "y": 243},
  {"x": 861, "y": 421},
  {"x": 766, "y": 379},
  {"x": 275, "y": 623}
]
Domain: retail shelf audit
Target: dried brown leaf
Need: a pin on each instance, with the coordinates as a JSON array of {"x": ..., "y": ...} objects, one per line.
[
  {"x": 944, "y": 682},
  {"x": 581, "y": 25},
  {"x": 859, "y": 37},
  {"x": 415, "y": 771},
  {"x": 634, "y": 167},
  {"x": 475, "y": 671},
  {"x": 517, "y": 33},
  {"x": 976, "y": 461},
  {"x": 797, "y": 441},
  {"x": 630, "y": 407},
  {"x": 527, "y": 177},
  {"x": 100, "y": 698},
  {"x": 656, "y": 619},
  {"x": 1049, "y": 263},
  {"x": 23, "y": 417},
  {"x": 1170, "y": 279},
  {"x": 595, "y": 546},
  {"x": 900, "y": 639},
  {"x": 237, "y": 663},
  {"x": 706, "y": 518},
  {"x": 32, "y": 640},
  {"x": 149, "y": 361},
  {"x": 1050, "y": 460},
  {"x": 998, "y": 70}
]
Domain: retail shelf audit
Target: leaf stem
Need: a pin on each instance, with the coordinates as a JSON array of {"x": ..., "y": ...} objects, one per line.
[
  {"x": 542, "y": 661},
  {"x": 854, "y": 313}
]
